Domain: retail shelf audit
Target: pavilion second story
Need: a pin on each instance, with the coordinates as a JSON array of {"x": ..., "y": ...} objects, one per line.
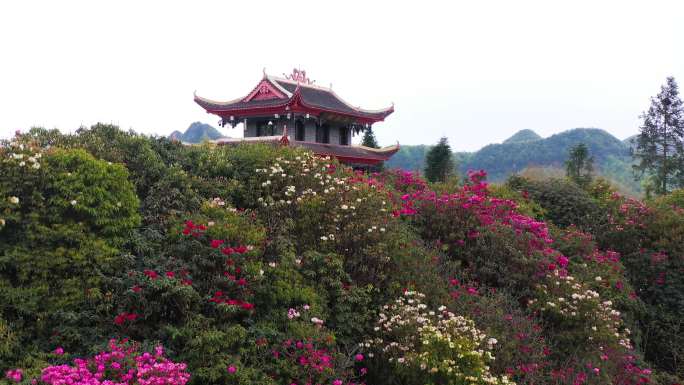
[{"x": 310, "y": 113}]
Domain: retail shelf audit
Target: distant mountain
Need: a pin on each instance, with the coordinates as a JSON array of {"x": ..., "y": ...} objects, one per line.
[
  {"x": 526, "y": 149},
  {"x": 197, "y": 133},
  {"x": 523, "y": 136}
]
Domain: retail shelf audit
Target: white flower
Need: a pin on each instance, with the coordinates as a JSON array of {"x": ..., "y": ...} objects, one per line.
[
  {"x": 598, "y": 279},
  {"x": 73, "y": 202},
  {"x": 36, "y": 165},
  {"x": 2, "y": 222},
  {"x": 324, "y": 238},
  {"x": 22, "y": 163},
  {"x": 344, "y": 207},
  {"x": 14, "y": 200},
  {"x": 272, "y": 264}
]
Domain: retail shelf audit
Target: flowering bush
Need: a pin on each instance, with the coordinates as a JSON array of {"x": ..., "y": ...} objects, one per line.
[
  {"x": 122, "y": 363},
  {"x": 261, "y": 264},
  {"x": 65, "y": 218},
  {"x": 430, "y": 346}
]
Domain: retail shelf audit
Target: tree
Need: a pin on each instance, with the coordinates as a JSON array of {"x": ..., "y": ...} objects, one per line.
[
  {"x": 369, "y": 139},
  {"x": 579, "y": 165},
  {"x": 439, "y": 162},
  {"x": 660, "y": 144}
]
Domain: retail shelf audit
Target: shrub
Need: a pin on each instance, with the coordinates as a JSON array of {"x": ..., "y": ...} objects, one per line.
[
  {"x": 420, "y": 345},
  {"x": 66, "y": 214}
]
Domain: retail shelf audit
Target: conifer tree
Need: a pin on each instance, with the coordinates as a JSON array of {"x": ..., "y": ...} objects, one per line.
[
  {"x": 660, "y": 145},
  {"x": 579, "y": 166},
  {"x": 439, "y": 162},
  {"x": 369, "y": 139}
]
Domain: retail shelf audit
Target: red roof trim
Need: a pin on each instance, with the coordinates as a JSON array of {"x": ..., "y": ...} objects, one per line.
[{"x": 264, "y": 91}]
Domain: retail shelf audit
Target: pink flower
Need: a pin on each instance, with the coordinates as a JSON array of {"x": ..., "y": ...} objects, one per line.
[
  {"x": 14, "y": 375},
  {"x": 337, "y": 382},
  {"x": 59, "y": 351},
  {"x": 358, "y": 357},
  {"x": 232, "y": 369},
  {"x": 216, "y": 243},
  {"x": 170, "y": 274}
]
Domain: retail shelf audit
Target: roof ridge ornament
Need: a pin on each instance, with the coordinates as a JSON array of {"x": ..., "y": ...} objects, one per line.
[{"x": 299, "y": 76}]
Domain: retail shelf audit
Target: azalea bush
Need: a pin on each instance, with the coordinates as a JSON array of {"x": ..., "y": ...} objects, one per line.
[
  {"x": 66, "y": 216},
  {"x": 434, "y": 346},
  {"x": 262, "y": 264}
]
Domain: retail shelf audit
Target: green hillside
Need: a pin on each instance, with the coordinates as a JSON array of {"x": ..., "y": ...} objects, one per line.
[{"x": 522, "y": 150}]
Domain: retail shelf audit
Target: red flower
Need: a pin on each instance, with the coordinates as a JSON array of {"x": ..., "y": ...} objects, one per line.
[
  {"x": 131, "y": 317},
  {"x": 119, "y": 319},
  {"x": 186, "y": 231},
  {"x": 216, "y": 243},
  {"x": 242, "y": 282},
  {"x": 247, "y": 306},
  {"x": 227, "y": 250},
  {"x": 187, "y": 282},
  {"x": 170, "y": 274},
  {"x": 241, "y": 249},
  {"x": 136, "y": 289},
  {"x": 151, "y": 274}
]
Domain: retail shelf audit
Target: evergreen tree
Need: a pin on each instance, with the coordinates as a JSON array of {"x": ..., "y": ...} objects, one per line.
[
  {"x": 660, "y": 144},
  {"x": 439, "y": 162},
  {"x": 369, "y": 139},
  {"x": 579, "y": 165}
]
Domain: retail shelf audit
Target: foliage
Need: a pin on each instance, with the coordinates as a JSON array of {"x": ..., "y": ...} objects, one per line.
[
  {"x": 564, "y": 202},
  {"x": 430, "y": 346},
  {"x": 369, "y": 139},
  {"x": 439, "y": 163},
  {"x": 659, "y": 147},
  {"x": 579, "y": 166},
  {"x": 266, "y": 264},
  {"x": 65, "y": 216}
]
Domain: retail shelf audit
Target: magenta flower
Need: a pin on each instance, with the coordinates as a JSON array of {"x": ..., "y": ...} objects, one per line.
[
  {"x": 232, "y": 369},
  {"x": 358, "y": 357},
  {"x": 14, "y": 375},
  {"x": 59, "y": 351}
]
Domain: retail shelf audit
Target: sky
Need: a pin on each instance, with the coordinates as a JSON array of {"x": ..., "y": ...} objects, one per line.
[{"x": 473, "y": 71}]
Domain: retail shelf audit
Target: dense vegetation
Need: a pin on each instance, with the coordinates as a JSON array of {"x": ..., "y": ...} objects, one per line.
[
  {"x": 526, "y": 149},
  {"x": 127, "y": 259}
]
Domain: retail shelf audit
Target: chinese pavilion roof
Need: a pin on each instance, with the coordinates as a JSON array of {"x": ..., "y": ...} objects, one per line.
[{"x": 295, "y": 93}]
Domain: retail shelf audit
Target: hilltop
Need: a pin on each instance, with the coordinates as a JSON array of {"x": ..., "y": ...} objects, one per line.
[
  {"x": 196, "y": 133},
  {"x": 523, "y": 136}
]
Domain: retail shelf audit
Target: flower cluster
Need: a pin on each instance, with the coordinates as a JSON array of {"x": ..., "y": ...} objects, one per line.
[
  {"x": 122, "y": 364},
  {"x": 315, "y": 361},
  {"x": 438, "y": 343}
]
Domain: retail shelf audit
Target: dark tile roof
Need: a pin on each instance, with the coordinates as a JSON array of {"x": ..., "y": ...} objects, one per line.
[
  {"x": 210, "y": 105},
  {"x": 326, "y": 99}
]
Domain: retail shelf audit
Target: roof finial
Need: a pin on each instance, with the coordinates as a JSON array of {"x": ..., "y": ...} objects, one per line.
[
  {"x": 264, "y": 72},
  {"x": 299, "y": 76}
]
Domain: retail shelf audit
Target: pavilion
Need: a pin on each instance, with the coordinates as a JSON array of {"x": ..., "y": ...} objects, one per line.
[{"x": 319, "y": 119}]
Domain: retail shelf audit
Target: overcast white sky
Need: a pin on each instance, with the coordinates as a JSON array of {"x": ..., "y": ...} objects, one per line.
[{"x": 474, "y": 71}]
